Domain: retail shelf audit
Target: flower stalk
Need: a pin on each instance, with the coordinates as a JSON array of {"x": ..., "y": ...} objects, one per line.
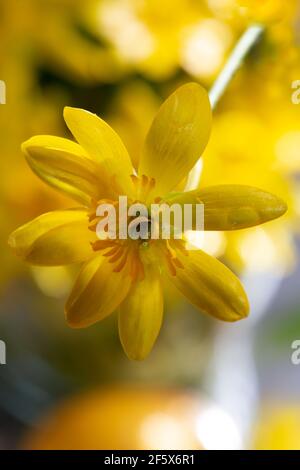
[{"x": 234, "y": 62}]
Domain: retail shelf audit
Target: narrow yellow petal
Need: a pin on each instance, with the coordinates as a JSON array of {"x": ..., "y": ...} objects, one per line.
[
  {"x": 66, "y": 166},
  {"x": 54, "y": 239},
  {"x": 231, "y": 207},
  {"x": 97, "y": 292},
  {"x": 177, "y": 137},
  {"x": 211, "y": 286},
  {"x": 103, "y": 144},
  {"x": 141, "y": 315}
]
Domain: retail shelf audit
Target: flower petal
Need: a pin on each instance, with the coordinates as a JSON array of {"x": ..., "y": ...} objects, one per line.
[
  {"x": 211, "y": 286},
  {"x": 232, "y": 207},
  {"x": 97, "y": 292},
  {"x": 66, "y": 166},
  {"x": 177, "y": 137},
  {"x": 54, "y": 239},
  {"x": 141, "y": 315},
  {"x": 104, "y": 145}
]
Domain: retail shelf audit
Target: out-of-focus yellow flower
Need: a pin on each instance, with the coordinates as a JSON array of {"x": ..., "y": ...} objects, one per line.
[
  {"x": 266, "y": 11},
  {"x": 127, "y": 273},
  {"x": 159, "y": 419},
  {"x": 278, "y": 428},
  {"x": 262, "y": 11},
  {"x": 49, "y": 34},
  {"x": 249, "y": 158},
  {"x": 265, "y": 148},
  {"x": 23, "y": 97},
  {"x": 157, "y": 38},
  {"x": 205, "y": 47},
  {"x": 131, "y": 113}
]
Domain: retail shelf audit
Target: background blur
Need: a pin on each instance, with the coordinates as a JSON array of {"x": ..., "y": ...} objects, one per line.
[{"x": 205, "y": 385}]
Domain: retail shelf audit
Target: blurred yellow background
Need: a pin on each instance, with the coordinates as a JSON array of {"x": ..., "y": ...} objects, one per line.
[{"x": 205, "y": 385}]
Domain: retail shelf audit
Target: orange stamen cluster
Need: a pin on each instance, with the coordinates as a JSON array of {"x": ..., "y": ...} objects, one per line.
[
  {"x": 143, "y": 186},
  {"x": 170, "y": 255},
  {"x": 123, "y": 254}
]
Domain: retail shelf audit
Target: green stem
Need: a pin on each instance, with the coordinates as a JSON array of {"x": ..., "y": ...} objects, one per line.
[{"x": 234, "y": 62}]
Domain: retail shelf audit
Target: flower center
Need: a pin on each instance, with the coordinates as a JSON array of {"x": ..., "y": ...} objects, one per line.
[{"x": 130, "y": 232}]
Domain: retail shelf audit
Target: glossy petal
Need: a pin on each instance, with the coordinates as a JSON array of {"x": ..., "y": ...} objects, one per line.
[
  {"x": 103, "y": 144},
  {"x": 177, "y": 137},
  {"x": 54, "y": 239},
  {"x": 211, "y": 286},
  {"x": 141, "y": 315},
  {"x": 232, "y": 207},
  {"x": 66, "y": 166},
  {"x": 97, "y": 292}
]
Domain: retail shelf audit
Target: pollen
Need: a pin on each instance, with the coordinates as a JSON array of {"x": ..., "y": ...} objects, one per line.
[
  {"x": 124, "y": 255},
  {"x": 143, "y": 186},
  {"x": 169, "y": 252}
]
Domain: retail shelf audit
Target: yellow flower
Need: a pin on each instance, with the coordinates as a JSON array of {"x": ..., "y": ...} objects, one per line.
[
  {"x": 126, "y": 274},
  {"x": 267, "y": 10},
  {"x": 77, "y": 423},
  {"x": 278, "y": 427},
  {"x": 249, "y": 159},
  {"x": 265, "y": 149},
  {"x": 51, "y": 32},
  {"x": 24, "y": 98},
  {"x": 131, "y": 113},
  {"x": 157, "y": 38},
  {"x": 241, "y": 12}
]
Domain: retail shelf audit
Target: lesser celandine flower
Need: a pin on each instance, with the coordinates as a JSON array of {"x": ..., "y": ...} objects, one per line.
[
  {"x": 264, "y": 151},
  {"x": 131, "y": 113},
  {"x": 126, "y": 274},
  {"x": 266, "y": 11},
  {"x": 157, "y": 38},
  {"x": 250, "y": 158},
  {"x": 278, "y": 426},
  {"x": 77, "y": 423},
  {"x": 44, "y": 26}
]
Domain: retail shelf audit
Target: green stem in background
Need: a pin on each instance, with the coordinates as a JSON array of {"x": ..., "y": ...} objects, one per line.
[{"x": 234, "y": 62}]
